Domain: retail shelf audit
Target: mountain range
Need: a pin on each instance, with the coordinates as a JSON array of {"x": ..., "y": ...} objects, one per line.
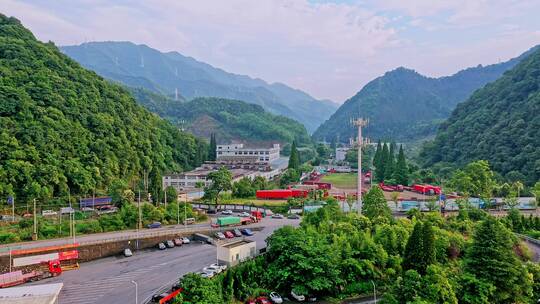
[
  {"x": 406, "y": 106},
  {"x": 499, "y": 123},
  {"x": 172, "y": 73}
]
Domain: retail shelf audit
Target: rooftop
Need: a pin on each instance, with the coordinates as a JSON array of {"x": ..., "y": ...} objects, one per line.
[
  {"x": 237, "y": 243},
  {"x": 35, "y": 294}
]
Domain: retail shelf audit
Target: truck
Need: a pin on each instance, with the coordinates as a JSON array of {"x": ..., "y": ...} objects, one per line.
[
  {"x": 229, "y": 221},
  {"x": 427, "y": 189},
  {"x": 257, "y": 215},
  {"x": 18, "y": 277}
]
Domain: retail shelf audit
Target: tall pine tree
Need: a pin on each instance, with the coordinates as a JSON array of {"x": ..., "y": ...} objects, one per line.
[
  {"x": 294, "y": 159},
  {"x": 414, "y": 250},
  {"x": 428, "y": 244},
  {"x": 380, "y": 169},
  {"x": 389, "y": 165},
  {"x": 212, "y": 148},
  {"x": 401, "y": 174}
]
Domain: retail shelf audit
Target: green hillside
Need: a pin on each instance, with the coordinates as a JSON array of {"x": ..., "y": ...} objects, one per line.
[
  {"x": 499, "y": 123},
  {"x": 228, "y": 119},
  {"x": 165, "y": 73},
  {"x": 63, "y": 128},
  {"x": 406, "y": 106}
]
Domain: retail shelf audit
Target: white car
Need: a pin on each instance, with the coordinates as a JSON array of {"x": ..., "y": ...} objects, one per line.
[
  {"x": 298, "y": 297},
  {"x": 211, "y": 269},
  {"x": 220, "y": 266},
  {"x": 128, "y": 253},
  {"x": 185, "y": 240},
  {"x": 48, "y": 213},
  {"x": 278, "y": 216},
  {"x": 244, "y": 214},
  {"x": 275, "y": 298},
  {"x": 227, "y": 212}
]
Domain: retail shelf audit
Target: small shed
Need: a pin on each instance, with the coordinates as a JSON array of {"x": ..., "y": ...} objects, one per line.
[
  {"x": 33, "y": 294},
  {"x": 235, "y": 252}
]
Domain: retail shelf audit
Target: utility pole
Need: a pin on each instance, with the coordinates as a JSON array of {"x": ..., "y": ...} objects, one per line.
[
  {"x": 165, "y": 194},
  {"x": 139, "y": 223},
  {"x": 34, "y": 237},
  {"x": 136, "y": 292},
  {"x": 359, "y": 122},
  {"x": 185, "y": 212}
]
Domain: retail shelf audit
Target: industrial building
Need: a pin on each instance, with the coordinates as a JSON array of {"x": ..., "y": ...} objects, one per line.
[
  {"x": 241, "y": 153},
  {"x": 235, "y": 252}
]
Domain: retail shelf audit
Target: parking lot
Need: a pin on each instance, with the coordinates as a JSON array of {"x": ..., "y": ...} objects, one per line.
[{"x": 109, "y": 280}]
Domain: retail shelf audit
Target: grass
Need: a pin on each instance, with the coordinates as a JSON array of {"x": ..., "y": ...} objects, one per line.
[{"x": 341, "y": 180}]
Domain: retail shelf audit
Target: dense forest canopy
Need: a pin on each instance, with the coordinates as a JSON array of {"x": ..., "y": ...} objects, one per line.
[
  {"x": 499, "y": 123},
  {"x": 63, "y": 128},
  {"x": 227, "y": 119},
  {"x": 406, "y": 106},
  {"x": 168, "y": 73}
]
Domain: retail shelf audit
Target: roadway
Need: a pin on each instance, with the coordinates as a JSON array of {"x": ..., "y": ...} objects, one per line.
[{"x": 108, "y": 280}]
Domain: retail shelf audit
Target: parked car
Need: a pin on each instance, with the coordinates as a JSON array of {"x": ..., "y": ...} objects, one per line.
[
  {"x": 176, "y": 286},
  {"x": 211, "y": 211},
  {"x": 185, "y": 240},
  {"x": 221, "y": 266},
  {"x": 127, "y": 252},
  {"x": 87, "y": 209},
  {"x": 161, "y": 246},
  {"x": 276, "y": 298},
  {"x": 206, "y": 274},
  {"x": 298, "y": 297},
  {"x": 214, "y": 269},
  {"x": 156, "y": 298},
  {"x": 178, "y": 242},
  {"x": 27, "y": 215},
  {"x": 237, "y": 232},
  {"x": 48, "y": 213},
  {"x": 189, "y": 221},
  {"x": 247, "y": 231},
  {"x": 66, "y": 210},
  {"x": 262, "y": 300},
  {"x": 169, "y": 244},
  {"x": 229, "y": 234},
  {"x": 293, "y": 216},
  {"x": 220, "y": 235},
  {"x": 154, "y": 225},
  {"x": 244, "y": 214},
  {"x": 227, "y": 212},
  {"x": 277, "y": 216},
  {"x": 311, "y": 298}
]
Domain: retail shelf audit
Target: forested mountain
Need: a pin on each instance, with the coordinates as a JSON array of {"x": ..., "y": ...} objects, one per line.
[
  {"x": 404, "y": 105},
  {"x": 227, "y": 119},
  {"x": 164, "y": 73},
  {"x": 499, "y": 123},
  {"x": 65, "y": 129}
]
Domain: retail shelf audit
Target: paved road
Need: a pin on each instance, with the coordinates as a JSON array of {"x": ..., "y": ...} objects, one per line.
[{"x": 108, "y": 280}]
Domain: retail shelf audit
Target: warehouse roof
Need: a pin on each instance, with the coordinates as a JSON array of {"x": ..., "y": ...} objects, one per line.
[{"x": 33, "y": 294}]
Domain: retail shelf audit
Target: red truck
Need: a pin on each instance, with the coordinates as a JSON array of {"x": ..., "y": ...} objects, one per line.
[
  {"x": 390, "y": 188},
  {"x": 281, "y": 193},
  {"x": 427, "y": 189},
  {"x": 18, "y": 277}
]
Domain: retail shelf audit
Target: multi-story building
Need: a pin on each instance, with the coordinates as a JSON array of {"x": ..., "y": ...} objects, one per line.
[
  {"x": 341, "y": 153},
  {"x": 239, "y": 153}
]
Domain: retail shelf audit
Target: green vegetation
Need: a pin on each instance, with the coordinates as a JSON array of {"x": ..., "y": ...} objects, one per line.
[
  {"x": 498, "y": 123},
  {"x": 85, "y": 223},
  {"x": 64, "y": 129},
  {"x": 294, "y": 161},
  {"x": 425, "y": 259},
  {"x": 388, "y": 168},
  {"x": 341, "y": 180},
  {"x": 221, "y": 180},
  {"x": 406, "y": 106},
  {"x": 226, "y": 119},
  {"x": 166, "y": 73}
]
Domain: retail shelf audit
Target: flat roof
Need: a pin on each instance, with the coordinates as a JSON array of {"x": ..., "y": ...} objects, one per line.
[
  {"x": 32, "y": 294},
  {"x": 237, "y": 243}
]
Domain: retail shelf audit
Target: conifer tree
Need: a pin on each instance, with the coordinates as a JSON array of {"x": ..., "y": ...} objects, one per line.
[
  {"x": 380, "y": 170},
  {"x": 401, "y": 172},
  {"x": 414, "y": 250},
  {"x": 389, "y": 165},
  {"x": 294, "y": 160},
  {"x": 212, "y": 148},
  {"x": 377, "y": 156},
  {"x": 428, "y": 245}
]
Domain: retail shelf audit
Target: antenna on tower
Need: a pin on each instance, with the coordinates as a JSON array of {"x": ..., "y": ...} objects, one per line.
[{"x": 360, "y": 123}]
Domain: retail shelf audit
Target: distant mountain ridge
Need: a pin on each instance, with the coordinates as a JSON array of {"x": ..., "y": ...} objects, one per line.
[
  {"x": 230, "y": 120},
  {"x": 404, "y": 105},
  {"x": 499, "y": 123},
  {"x": 164, "y": 73}
]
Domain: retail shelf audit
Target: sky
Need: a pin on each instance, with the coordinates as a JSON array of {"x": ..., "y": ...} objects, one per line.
[{"x": 330, "y": 49}]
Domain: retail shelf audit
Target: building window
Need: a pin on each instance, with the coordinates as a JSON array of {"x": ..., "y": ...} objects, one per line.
[{"x": 237, "y": 256}]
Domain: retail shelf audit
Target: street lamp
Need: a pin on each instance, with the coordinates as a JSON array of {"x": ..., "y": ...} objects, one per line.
[
  {"x": 136, "y": 292},
  {"x": 374, "y": 292}
]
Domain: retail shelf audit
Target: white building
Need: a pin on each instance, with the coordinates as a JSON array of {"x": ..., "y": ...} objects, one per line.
[
  {"x": 235, "y": 252},
  {"x": 237, "y": 152},
  {"x": 341, "y": 153}
]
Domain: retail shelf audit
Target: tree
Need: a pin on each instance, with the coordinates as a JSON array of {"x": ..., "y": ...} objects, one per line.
[
  {"x": 294, "y": 160},
  {"x": 476, "y": 179},
  {"x": 491, "y": 259},
  {"x": 380, "y": 169},
  {"x": 260, "y": 183},
  {"x": 212, "y": 148},
  {"x": 200, "y": 290},
  {"x": 389, "y": 165},
  {"x": 414, "y": 250},
  {"x": 172, "y": 195},
  {"x": 428, "y": 246},
  {"x": 536, "y": 192},
  {"x": 395, "y": 198},
  {"x": 220, "y": 181},
  {"x": 401, "y": 172},
  {"x": 518, "y": 187},
  {"x": 243, "y": 188},
  {"x": 290, "y": 176},
  {"x": 374, "y": 205},
  {"x": 377, "y": 156}
]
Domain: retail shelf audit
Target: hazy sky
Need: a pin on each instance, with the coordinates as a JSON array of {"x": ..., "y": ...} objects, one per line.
[{"x": 329, "y": 49}]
